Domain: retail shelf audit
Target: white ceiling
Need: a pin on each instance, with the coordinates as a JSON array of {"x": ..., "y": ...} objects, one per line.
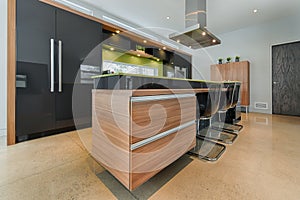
[{"x": 222, "y": 15}]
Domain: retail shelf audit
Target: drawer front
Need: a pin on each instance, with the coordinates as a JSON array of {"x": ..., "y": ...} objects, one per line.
[
  {"x": 149, "y": 159},
  {"x": 152, "y": 117}
]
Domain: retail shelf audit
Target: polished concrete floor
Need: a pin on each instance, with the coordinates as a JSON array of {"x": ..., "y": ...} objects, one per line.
[{"x": 263, "y": 163}]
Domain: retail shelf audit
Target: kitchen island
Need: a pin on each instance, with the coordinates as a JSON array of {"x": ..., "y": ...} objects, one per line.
[{"x": 142, "y": 124}]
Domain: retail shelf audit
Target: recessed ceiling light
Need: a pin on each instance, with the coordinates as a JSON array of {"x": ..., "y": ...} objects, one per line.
[
  {"x": 168, "y": 17},
  {"x": 178, "y": 41},
  {"x": 214, "y": 41},
  {"x": 255, "y": 10},
  {"x": 158, "y": 60},
  {"x": 139, "y": 55},
  {"x": 112, "y": 49},
  {"x": 145, "y": 41},
  {"x": 113, "y": 34},
  {"x": 164, "y": 48},
  {"x": 203, "y": 33},
  {"x": 117, "y": 31}
]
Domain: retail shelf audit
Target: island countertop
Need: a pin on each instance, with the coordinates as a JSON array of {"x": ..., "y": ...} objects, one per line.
[{"x": 137, "y": 81}]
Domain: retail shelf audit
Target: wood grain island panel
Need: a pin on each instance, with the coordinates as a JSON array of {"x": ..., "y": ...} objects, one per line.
[{"x": 135, "y": 137}]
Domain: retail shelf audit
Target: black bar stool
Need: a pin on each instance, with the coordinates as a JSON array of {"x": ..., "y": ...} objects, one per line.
[
  {"x": 230, "y": 128},
  {"x": 216, "y": 132},
  {"x": 208, "y": 104}
]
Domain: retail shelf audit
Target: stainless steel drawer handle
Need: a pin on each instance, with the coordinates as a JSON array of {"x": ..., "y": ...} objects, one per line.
[
  {"x": 161, "y": 97},
  {"x": 161, "y": 135}
]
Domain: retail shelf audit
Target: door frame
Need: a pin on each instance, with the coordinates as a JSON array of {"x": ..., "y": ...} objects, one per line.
[{"x": 271, "y": 67}]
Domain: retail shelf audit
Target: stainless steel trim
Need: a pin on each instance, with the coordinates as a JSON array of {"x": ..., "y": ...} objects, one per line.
[
  {"x": 59, "y": 66},
  {"x": 52, "y": 65},
  {"x": 161, "y": 135},
  {"x": 160, "y": 97}
]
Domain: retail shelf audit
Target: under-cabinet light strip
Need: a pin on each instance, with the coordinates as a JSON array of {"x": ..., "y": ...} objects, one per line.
[
  {"x": 75, "y": 6},
  {"x": 161, "y": 135},
  {"x": 129, "y": 28}
]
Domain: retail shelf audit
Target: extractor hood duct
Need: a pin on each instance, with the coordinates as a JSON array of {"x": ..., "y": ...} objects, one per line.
[{"x": 195, "y": 35}]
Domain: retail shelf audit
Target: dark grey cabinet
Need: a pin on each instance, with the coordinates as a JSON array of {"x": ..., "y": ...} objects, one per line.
[{"x": 46, "y": 74}]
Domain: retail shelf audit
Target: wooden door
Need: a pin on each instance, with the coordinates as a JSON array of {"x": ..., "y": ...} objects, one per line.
[{"x": 286, "y": 79}]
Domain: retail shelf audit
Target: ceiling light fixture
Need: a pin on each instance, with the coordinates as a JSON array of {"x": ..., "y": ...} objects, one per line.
[
  {"x": 158, "y": 60},
  {"x": 145, "y": 41},
  {"x": 117, "y": 31},
  {"x": 214, "y": 41},
  {"x": 112, "y": 49},
  {"x": 168, "y": 17},
  {"x": 178, "y": 41},
  {"x": 255, "y": 10},
  {"x": 164, "y": 48},
  {"x": 204, "y": 33},
  {"x": 139, "y": 55}
]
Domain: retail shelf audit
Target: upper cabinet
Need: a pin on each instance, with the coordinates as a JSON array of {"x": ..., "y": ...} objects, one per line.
[
  {"x": 35, "y": 28},
  {"x": 234, "y": 71}
]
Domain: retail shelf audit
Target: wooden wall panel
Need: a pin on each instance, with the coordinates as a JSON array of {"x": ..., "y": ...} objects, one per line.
[{"x": 11, "y": 72}]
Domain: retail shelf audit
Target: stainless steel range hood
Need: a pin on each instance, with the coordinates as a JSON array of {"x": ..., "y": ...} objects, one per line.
[{"x": 195, "y": 35}]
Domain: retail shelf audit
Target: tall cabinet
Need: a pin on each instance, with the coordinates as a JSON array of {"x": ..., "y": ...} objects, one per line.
[
  {"x": 51, "y": 46},
  {"x": 234, "y": 71}
]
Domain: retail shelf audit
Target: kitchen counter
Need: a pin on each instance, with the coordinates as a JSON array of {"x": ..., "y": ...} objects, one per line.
[
  {"x": 142, "y": 124},
  {"x": 136, "y": 81}
]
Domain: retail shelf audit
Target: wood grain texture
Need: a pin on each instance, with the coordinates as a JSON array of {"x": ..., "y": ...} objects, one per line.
[
  {"x": 114, "y": 131},
  {"x": 234, "y": 71},
  {"x": 152, "y": 158},
  {"x": 154, "y": 117},
  {"x": 11, "y": 72},
  {"x": 111, "y": 132},
  {"x": 286, "y": 75}
]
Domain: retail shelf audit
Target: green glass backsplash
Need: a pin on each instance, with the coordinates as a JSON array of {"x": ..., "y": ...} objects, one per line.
[{"x": 130, "y": 59}]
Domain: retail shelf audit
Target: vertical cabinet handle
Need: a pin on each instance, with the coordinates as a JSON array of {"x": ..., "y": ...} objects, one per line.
[
  {"x": 52, "y": 65},
  {"x": 59, "y": 66}
]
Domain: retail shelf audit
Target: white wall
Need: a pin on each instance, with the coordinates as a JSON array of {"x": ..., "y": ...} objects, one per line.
[
  {"x": 253, "y": 44},
  {"x": 3, "y": 53}
]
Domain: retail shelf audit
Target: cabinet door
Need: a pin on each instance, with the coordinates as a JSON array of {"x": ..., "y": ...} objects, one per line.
[
  {"x": 34, "y": 101},
  {"x": 79, "y": 37},
  {"x": 35, "y": 28}
]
